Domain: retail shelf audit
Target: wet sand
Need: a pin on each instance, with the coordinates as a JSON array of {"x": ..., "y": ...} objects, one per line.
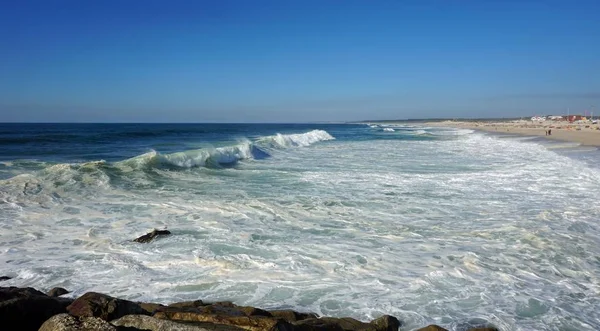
[{"x": 586, "y": 134}]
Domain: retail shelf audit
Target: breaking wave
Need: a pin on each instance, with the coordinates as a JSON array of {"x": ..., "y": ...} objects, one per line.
[
  {"x": 217, "y": 157},
  {"x": 294, "y": 140},
  {"x": 51, "y": 182},
  {"x": 228, "y": 155},
  {"x": 98, "y": 172}
]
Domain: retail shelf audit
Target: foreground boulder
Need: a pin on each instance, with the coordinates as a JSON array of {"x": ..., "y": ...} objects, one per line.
[
  {"x": 151, "y": 308},
  {"x": 251, "y": 323},
  {"x": 253, "y": 319},
  {"x": 187, "y": 304},
  {"x": 291, "y": 316},
  {"x": 439, "y": 328},
  {"x": 66, "y": 322},
  {"x": 18, "y": 292},
  {"x": 27, "y": 309},
  {"x": 103, "y": 306},
  {"x": 432, "y": 328},
  {"x": 148, "y": 237},
  {"x": 384, "y": 323},
  {"x": 226, "y": 308},
  {"x": 142, "y": 322},
  {"x": 56, "y": 292}
]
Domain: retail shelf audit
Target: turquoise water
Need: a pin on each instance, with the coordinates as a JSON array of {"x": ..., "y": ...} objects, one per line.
[{"x": 432, "y": 225}]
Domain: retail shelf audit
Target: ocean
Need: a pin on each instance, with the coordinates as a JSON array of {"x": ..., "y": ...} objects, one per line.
[{"x": 431, "y": 225}]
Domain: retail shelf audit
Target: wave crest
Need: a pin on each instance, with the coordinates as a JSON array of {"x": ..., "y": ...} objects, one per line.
[
  {"x": 228, "y": 155},
  {"x": 294, "y": 140}
]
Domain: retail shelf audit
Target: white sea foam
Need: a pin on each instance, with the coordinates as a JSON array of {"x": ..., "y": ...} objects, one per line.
[
  {"x": 228, "y": 154},
  {"x": 294, "y": 140},
  {"x": 459, "y": 132},
  {"x": 432, "y": 231}
]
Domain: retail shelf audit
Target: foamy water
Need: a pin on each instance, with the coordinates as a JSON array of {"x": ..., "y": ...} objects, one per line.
[{"x": 430, "y": 225}]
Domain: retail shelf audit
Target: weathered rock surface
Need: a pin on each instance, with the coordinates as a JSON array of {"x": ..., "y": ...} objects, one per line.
[
  {"x": 316, "y": 324},
  {"x": 148, "y": 237},
  {"x": 187, "y": 304},
  {"x": 154, "y": 324},
  {"x": 56, "y": 292},
  {"x": 94, "y": 304},
  {"x": 27, "y": 309},
  {"x": 439, "y": 328},
  {"x": 150, "y": 308},
  {"x": 218, "y": 308},
  {"x": 258, "y": 319},
  {"x": 251, "y": 323},
  {"x": 384, "y": 323},
  {"x": 432, "y": 328},
  {"x": 292, "y": 316},
  {"x": 66, "y": 322},
  {"x": 18, "y": 292}
]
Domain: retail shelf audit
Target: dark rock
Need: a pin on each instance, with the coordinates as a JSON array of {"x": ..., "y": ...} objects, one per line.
[
  {"x": 27, "y": 309},
  {"x": 251, "y": 311},
  {"x": 18, "y": 292},
  {"x": 148, "y": 237},
  {"x": 348, "y": 323},
  {"x": 5, "y": 278},
  {"x": 432, "y": 328},
  {"x": 250, "y": 323},
  {"x": 292, "y": 316},
  {"x": 386, "y": 323},
  {"x": 187, "y": 304},
  {"x": 316, "y": 324},
  {"x": 229, "y": 309},
  {"x": 56, "y": 292},
  {"x": 94, "y": 304},
  {"x": 151, "y": 308},
  {"x": 142, "y": 322},
  {"x": 66, "y": 322},
  {"x": 255, "y": 319},
  {"x": 221, "y": 303},
  {"x": 475, "y": 324},
  {"x": 225, "y": 308}
]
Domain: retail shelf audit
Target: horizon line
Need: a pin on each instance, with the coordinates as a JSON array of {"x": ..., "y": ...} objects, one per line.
[{"x": 281, "y": 122}]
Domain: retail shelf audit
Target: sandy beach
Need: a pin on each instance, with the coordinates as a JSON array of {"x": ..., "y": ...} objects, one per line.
[{"x": 586, "y": 134}]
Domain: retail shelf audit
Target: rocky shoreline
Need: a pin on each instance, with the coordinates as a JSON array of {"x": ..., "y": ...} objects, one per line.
[{"x": 27, "y": 309}]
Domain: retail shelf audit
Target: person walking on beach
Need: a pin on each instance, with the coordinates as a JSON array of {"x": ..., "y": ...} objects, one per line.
[{"x": 549, "y": 132}]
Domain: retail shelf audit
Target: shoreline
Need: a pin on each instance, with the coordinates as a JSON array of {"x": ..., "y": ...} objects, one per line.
[
  {"x": 584, "y": 134},
  {"x": 28, "y": 309}
]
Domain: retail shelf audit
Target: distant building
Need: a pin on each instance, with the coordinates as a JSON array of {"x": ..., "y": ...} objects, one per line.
[
  {"x": 573, "y": 118},
  {"x": 557, "y": 118}
]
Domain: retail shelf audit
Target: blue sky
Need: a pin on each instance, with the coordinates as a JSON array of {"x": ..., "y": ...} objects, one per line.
[{"x": 295, "y": 61}]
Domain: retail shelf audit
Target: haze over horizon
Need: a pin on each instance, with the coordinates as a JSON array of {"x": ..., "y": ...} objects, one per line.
[{"x": 279, "y": 61}]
